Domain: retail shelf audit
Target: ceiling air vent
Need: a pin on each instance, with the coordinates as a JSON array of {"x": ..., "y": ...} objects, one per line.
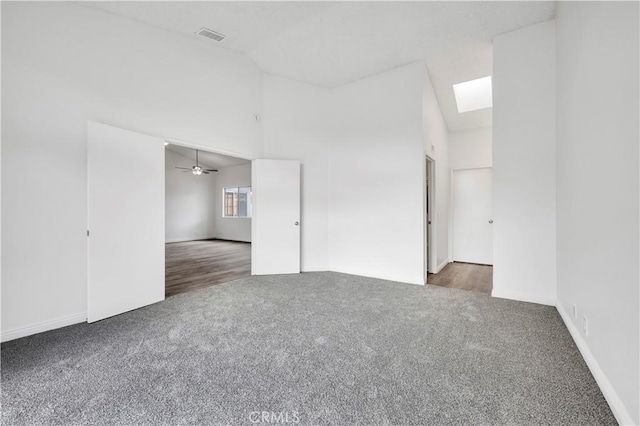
[{"x": 210, "y": 34}]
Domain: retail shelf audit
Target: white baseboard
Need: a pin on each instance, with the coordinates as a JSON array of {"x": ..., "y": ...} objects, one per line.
[
  {"x": 523, "y": 297},
  {"x": 237, "y": 240},
  {"x": 441, "y": 265},
  {"x": 314, "y": 269},
  {"x": 19, "y": 332},
  {"x": 182, "y": 240},
  {"x": 615, "y": 403}
]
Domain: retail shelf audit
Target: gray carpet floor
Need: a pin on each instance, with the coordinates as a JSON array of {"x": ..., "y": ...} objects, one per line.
[{"x": 316, "y": 348}]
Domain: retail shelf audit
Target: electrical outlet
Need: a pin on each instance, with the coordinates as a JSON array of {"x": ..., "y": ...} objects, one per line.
[
  {"x": 585, "y": 326},
  {"x": 575, "y": 311}
]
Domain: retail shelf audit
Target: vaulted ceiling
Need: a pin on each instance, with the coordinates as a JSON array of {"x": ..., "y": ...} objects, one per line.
[
  {"x": 211, "y": 160},
  {"x": 329, "y": 44}
]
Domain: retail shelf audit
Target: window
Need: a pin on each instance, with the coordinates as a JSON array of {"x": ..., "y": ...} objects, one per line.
[{"x": 236, "y": 202}]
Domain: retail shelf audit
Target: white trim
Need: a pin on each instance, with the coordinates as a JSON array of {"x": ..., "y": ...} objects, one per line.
[
  {"x": 314, "y": 268},
  {"x": 523, "y": 297},
  {"x": 234, "y": 240},
  {"x": 185, "y": 239},
  {"x": 441, "y": 265},
  {"x": 615, "y": 403},
  {"x": 425, "y": 219},
  {"x": 198, "y": 146},
  {"x": 458, "y": 169},
  {"x": 182, "y": 240},
  {"x": 19, "y": 332},
  {"x": 430, "y": 247}
]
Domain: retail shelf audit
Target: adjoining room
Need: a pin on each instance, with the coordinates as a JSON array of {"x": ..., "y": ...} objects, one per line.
[
  {"x": 208, "y": 218},
  {"x": 463, "y": 84}
]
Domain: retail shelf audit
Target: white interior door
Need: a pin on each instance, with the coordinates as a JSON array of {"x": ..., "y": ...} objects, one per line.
[
  {"x": 275, "y": 226},
  {"x": 126, "y": 221},
  {"x": 472, "y": 216}
]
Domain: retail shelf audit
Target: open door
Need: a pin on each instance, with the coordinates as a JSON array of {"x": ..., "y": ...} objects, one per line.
[
  {"x": 275, "y": 239},
  {"x": 126, "y": 221}
]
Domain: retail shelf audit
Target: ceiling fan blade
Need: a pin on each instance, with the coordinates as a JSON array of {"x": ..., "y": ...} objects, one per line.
[
  {"x": 186, "y": 171},
  {"x": 183, "y": 168},
  {"x": 211, "y": 170},
  {"x": 205, "y": 173}
]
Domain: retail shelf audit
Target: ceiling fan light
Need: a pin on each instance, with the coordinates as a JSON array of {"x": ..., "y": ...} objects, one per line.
[{"x": 196, "y": 170}]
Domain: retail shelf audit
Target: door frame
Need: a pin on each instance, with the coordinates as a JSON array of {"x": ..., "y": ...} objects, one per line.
[
  {"x": 199, "y": 147},
  {"x": 167, "y": 140},
  {"x": 430, "y": 231},
  {"x": 458, "y": 169}
]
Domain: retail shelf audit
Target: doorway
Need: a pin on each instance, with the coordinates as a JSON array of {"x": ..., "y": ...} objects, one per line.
[
  {"x": 430, "y": 213},
  {"x": 472, "y": 232},
  {"x": 208, "y": 211},
  {"x": 126, "y": 243}
]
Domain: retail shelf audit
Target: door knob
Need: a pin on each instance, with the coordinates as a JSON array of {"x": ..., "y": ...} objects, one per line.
[
  {"x": 297, "y": 223},
  {"x": 490, "y": 220}
]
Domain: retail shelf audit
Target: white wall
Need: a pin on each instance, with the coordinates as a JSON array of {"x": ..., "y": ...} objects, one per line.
[
  {"x": 436, "y": 145},
  {"x": 598, "y": 214},
  {"x": 376, "y": 195},
  {"x": 189, "y": 201},
  {"x": 295, "y": 126},
  {"x": 357, "y": 155},
  {"x": 471, "y": 149},
  {"x": 524, "y": 164},
  {"x": 1, "y": 198},
  {"x": 235, "y": 228},
  {"x": 62, "y": 65},
  {"x": 78, "y": 64}
]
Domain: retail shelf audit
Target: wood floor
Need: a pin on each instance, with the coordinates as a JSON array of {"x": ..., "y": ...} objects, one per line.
[
  {"x": 197, "y": 264},
  {"x": 465, "y": 276}
]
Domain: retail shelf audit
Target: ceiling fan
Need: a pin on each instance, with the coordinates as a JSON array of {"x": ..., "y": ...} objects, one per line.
[{"x": 197, "y": 169}]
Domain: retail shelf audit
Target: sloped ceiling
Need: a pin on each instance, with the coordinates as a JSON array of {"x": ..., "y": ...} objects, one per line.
[
  {"x": 329, "y": 44},
  {"x": 468, "y": 62},
  {"x": 211, "y": 160}
]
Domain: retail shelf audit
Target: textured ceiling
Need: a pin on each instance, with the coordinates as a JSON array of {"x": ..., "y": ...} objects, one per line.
[
  {"x": 209, "y": 159},
  {"x": 332, "y": 43}
]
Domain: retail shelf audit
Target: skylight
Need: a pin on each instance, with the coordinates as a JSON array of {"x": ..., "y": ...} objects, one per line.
[{"x": 473, "y": 94}]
